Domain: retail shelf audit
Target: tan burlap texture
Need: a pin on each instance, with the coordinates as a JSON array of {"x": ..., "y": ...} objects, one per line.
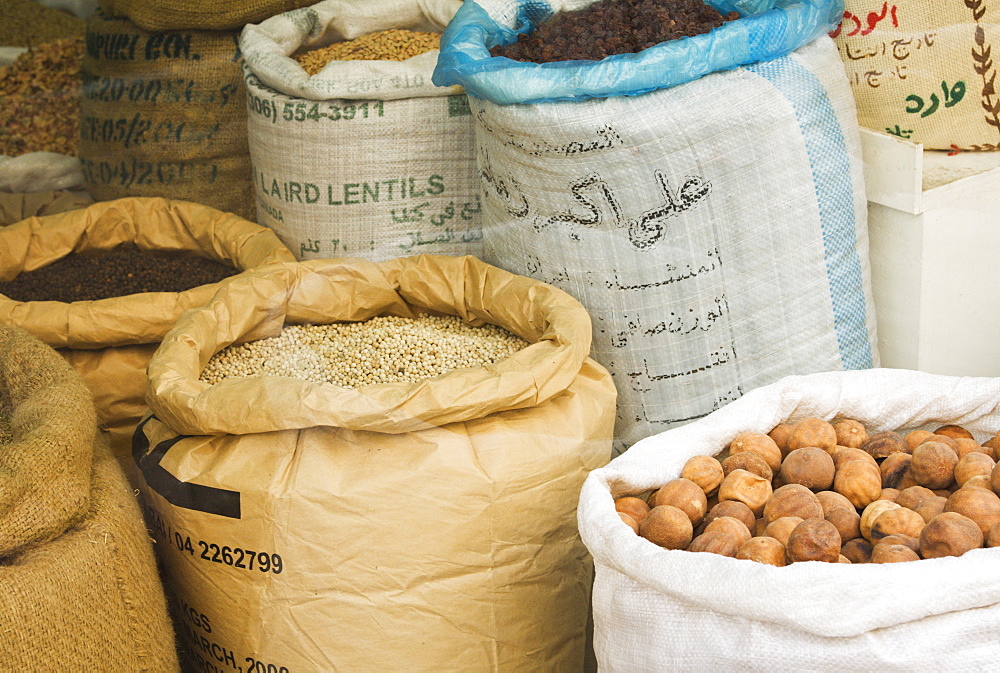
[
  {"x": 110, "y": 341},
  {"x": 78, "y": 581},
  {"x": 419, "y": 527},
  {"x": 16, "y": 207},
  {"x": 164, "y": 114},
  {"x": 204, "y": 14},
  {"x": 924, "y": 70}
]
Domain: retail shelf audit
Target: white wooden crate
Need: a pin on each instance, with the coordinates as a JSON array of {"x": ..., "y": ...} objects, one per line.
[{"x": 934, "y": 226}]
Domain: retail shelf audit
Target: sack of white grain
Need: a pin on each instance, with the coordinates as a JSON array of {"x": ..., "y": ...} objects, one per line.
[
  {"x": 110, "y": 340},
  {"x": 78, "y": 580},
  {"x": 364, "y": 157},
  {"x": 398, "y": 526},
  {"x": 164, "y": 114},
  {"x": 714, "y": 226},
  {"x": 654, "y": 607},
  {"x": 923, "y": 70}
]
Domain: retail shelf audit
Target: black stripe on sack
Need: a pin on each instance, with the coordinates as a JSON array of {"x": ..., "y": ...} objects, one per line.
[{"x": 179, "y": 493}]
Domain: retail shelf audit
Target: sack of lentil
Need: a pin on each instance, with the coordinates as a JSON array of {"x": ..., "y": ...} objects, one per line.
[
  {"x": 715, "y": 229},
  {"x": 406, "y": 525},
  {"x": 17, "y": 207},
  {"x": 655, "y": 607},
  {"x": 164, "y": 114},
  {"x": 363, "y": 156},
  {"x": 78, "y": 580},
  {"x": 923, "y": 70},
  {"x": 108, "y": 324}
]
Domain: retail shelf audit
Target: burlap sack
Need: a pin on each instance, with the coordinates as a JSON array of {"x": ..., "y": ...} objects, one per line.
[
  {"x": 17, "y": 207},
  {"x": 204, "y": 14},
  {"x": 164, "y": 114},
  {"x": 924, "y": 71},
  {"x": 403, "y": 527},
  {"x": 78, "y": 580},
  {"x": 110, "y": 341},
  {"x": 408, "y": 183}
]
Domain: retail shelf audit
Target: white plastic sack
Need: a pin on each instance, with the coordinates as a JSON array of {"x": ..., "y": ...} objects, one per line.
[
  {"x": 660, "y": 610},
  {"x": 716, "y": 231},
  {"x": 366, "y": 158},
  {"x": 40, "y": 172}
]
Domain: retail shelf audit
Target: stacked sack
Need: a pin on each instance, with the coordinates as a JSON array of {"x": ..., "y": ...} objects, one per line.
[
  {"x": 78, "y": 580},
  {"x": 164, "y": 114}
]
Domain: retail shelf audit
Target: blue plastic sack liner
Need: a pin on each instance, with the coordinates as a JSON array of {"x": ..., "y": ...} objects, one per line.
[{"x": 767, "y": 29}]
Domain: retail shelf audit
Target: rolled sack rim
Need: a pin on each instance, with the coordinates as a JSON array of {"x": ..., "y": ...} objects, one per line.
[
  {"x": 771, "y": 32},
  {"x": 556, "y": 325}
]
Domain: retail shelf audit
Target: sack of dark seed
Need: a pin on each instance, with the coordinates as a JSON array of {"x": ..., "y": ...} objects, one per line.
[
  {"x": 703, "y": 197},
  {"x": 103, "y": 284}
]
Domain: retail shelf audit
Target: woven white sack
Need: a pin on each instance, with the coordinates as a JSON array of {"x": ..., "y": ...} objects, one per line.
[
  {"x": 716, "y": 231},
  {"x": 665, "y": 610},
  {"x": 365, "y": 158},
  {"x": 40, "y": 172}
]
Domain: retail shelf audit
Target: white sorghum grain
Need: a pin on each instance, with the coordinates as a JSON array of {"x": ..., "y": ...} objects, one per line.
[{"x": 384, "y": 349}]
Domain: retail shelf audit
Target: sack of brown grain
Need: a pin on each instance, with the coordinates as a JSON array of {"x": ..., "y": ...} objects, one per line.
[
  {"x": 78, "y": 581},
  {"x": 164, "y": 114},
  {"x": 400, "y": 526},
  {"x": 110, "y": 340}
]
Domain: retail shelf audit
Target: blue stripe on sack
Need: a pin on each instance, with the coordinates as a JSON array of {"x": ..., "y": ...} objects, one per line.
[{"x": 831, "y": 170}]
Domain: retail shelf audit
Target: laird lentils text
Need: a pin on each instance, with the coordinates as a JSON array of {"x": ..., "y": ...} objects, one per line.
[
  {"x": 386, "y": 45},
  {"x": 126, "y": 269},
  {"x": 384, "y": 349}
]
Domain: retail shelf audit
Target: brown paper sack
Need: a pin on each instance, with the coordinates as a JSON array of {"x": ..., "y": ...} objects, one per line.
[
  {"x": 924, "y": 70},
  {"x": 404, "y": 527},
  {"x": 110, "y": 341},
  {"x": 78, "y": 580},
  {"x": 20, "y": 206}
]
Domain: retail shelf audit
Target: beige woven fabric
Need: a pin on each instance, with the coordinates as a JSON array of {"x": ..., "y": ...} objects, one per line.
[
  {"x": 78, "y": 581},
  {"x": 164, "y": 114}
]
